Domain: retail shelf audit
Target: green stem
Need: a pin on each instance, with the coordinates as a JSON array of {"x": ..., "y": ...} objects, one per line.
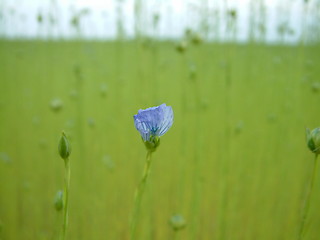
[
  {"x": 307, "y": 201},
  {"x": 66, "y": 198},
  {"x": 138, "y": 195}
]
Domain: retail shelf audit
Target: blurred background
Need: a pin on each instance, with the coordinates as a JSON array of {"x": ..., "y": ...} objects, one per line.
[
  {"x": 242, "y": 77},
  {"x": 264, "y": 21}
]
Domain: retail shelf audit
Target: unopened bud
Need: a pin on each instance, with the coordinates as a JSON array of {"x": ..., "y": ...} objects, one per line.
[
  {"x": 177, "y": 222},
  {"x": 64, "y": 147},
  {"x": 196, "y": 39},
  {"x": 56, "y": 104},
  {"x": 313, "y": 140},
  {"x": 181, "y": 47},
  {"x": 58, "y": 201}
]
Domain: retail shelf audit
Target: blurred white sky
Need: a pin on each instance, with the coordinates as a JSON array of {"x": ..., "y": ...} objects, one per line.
[{"x": 19, "y": 17}]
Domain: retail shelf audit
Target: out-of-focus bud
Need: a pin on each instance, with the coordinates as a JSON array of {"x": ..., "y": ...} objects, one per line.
[
  {"x": 58, "y": 201},
  {"x": 315, "y": 87},
  {"x": 181, "y": 47},
  {"x": 56, "y": 104},
  {"x": 232, "y": 13},
  {"x": 196, "y": 39},
  {"x": 177, "y": 222}
]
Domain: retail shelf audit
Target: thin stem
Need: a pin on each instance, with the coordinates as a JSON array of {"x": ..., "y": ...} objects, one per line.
[
  {"x": 66, "y": 199},
  {"x": 307, "y": 200},
  {"x": 138, "y": 195}
]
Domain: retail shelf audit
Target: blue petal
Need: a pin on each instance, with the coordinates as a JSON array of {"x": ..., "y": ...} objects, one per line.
[
  {"x": 154, "y": 121},
  {"x": 167, "y": 120},
  {"x": 142, "y": 127}
]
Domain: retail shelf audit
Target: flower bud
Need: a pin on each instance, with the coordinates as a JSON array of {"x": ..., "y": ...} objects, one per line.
[
  {"x": 181, "y": 47},
  {"x": 64, "y": 147},
  {"x": 58, "y": 201},
  {"x": 315, "y": 87},
  {"x": 232, "y": 13},
  {"x": 91, "y": 122},
  {"x": 108, "y": 162},
  {"x": 196, "y": 39},
  {"x": 56, "y": 104},
  {"x": 103, "y": 90},
  {"x": 313, "y": 140},
  {"x": 177, "y": 222},
  {"x": 39, "y": 18},
  {"x": 5, "y": 157},
  {"x": 187, "y": 32}
]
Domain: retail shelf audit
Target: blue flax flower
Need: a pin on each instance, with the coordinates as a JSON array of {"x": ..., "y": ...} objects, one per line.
[{"x": 152, "y": 123}]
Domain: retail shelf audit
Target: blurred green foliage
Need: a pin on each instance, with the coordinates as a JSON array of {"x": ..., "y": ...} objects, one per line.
[{"x": 235, "y": 164}]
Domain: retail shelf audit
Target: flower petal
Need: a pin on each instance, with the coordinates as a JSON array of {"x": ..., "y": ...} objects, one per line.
[
  {"x": 167, "y": 120},
  {"x": 154, "y": 121}
]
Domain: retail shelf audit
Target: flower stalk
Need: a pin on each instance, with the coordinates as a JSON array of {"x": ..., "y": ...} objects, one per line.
[
  {"x": 306, "y": 206},
  {"x": 152, "y": 123},
  {"x": 66, "y": 199},
  {"x": 138, "y": 195},
  {"x": 64, "y": 149}
]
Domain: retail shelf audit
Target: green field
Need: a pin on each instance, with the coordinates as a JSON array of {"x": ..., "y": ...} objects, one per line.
[{"x": 234, "y": 164}]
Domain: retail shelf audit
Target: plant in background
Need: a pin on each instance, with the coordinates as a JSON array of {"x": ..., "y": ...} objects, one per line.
[
  {"x": 177, "y": 222},
  {"x": 58, "y": 201},
  {"x": 313, "y": 142},
  {"x": 181, "y": 47},
  {"x": 56, "y": 104},
  {"x": 64, "y": 151},
  {"x": 152, "y": 123}
]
